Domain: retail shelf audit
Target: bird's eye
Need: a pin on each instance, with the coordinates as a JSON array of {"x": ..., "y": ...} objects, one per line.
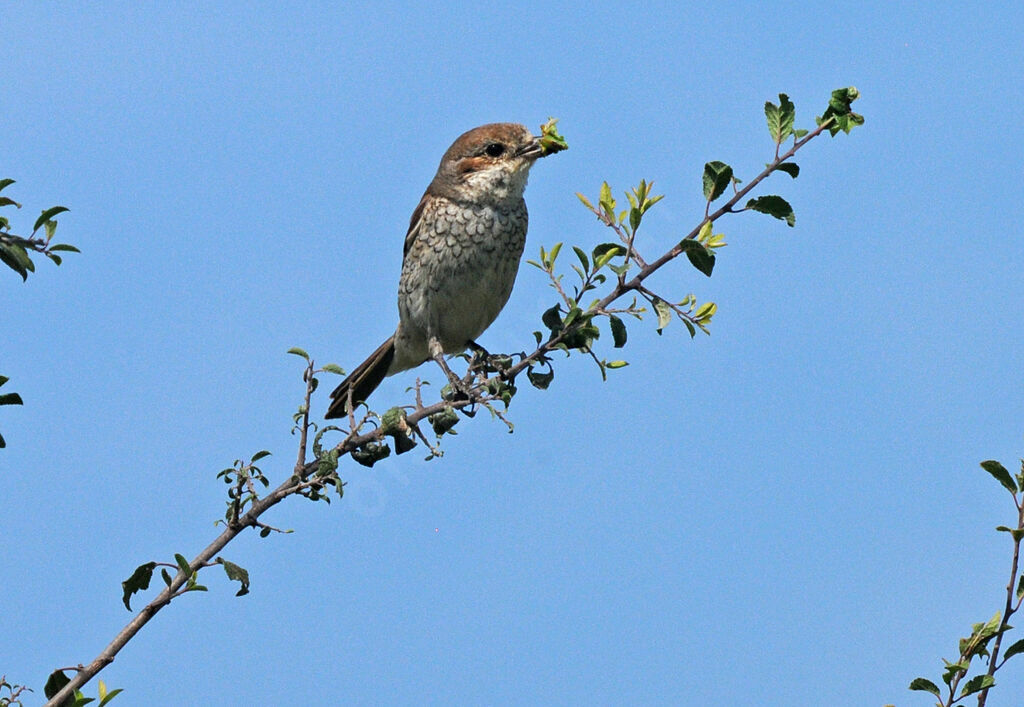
[{"x": 495, "y": 149}]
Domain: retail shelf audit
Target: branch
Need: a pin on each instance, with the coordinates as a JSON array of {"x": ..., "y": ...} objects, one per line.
[
  {"x": 1009, "y": 608},
  {"x": 312, "y": 476}
]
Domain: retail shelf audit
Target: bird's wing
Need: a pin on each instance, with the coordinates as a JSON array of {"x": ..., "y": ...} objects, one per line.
[{"x": 414, "y": 225}]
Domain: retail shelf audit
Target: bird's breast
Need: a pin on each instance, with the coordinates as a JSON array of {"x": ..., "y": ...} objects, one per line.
[{"x": 459, "y": 270}]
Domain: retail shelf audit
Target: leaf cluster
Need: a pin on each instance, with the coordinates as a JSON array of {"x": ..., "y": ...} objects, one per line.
[
  {"x": 14, "y": 249},
  {"x": 58, "y": 679},
  {"x": 550, "y": 141},
  {"x": 241, "y": 479},
  {"x": 10, "y": 693},
  {"x": 839, "y": 116},
  {"x": 988, "y": 633}
]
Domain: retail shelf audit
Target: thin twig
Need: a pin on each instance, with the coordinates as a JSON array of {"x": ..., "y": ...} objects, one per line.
[
  {"x": 1009, "y": 608},
  {"x": 304, "y": 429}
]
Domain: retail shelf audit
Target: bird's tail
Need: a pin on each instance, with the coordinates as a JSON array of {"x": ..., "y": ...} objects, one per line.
[{"x": 363, "y": 380}]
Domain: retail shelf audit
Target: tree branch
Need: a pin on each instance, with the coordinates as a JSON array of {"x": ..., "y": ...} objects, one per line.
[{"x": 478, "y": 393}]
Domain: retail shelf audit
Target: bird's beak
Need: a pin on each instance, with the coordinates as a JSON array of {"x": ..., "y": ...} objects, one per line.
[{"x": 531, "y": 150}]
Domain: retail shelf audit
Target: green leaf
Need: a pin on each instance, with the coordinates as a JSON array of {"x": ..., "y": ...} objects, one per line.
[
  {"x": 925, "y": 686},
  {"x": 604, "y": 252},
  {"x": 582, "y": 257},
  {"x": 607, "y": 202},
  {"x": 109, "y": 696},
  {"x": 705, "y": 312},
  {"x": 370, "y": 453},
  {"x": 1017, "y": 533},
  {"x": 999, "y": 472},
  {"x": 443, "y": 421},
  {"x": 16, "y": 259},
  {"x": 842, "y": 98},
  {"x": 571, "y": 316},
  {"x": 585, "y": 200},
  {"x": 183, "y": 564},
  {"x": 634, "y": 218},
  {"x": 977, "y": 684},
  {"x": 773, "y": 115},
  {"x": 11, "y": 399},
  {"x": 780, "y": 118},
  {"x": 774, "y": 206},
  {"x": 298, "y": 352},
  {"x": 552, "y": 318},
  {"x": 617, "y": 364},
  {"x": 54, "y": 684},
  {"x": 3, "y": 443},
  {"x": 618, "y": 331},
  {"x": 236, "y": 574},
  {"x": 259, "y": 455},
  {"x": 4, "y": 183},
  {"x": 139, "y": 581},
  {"x": 6, "y": 201},
  {"x": 787, "y": 114},
  {"x": 539, "y": 380},
  {"x": 717, "y": 177},
  {"x": 991, "y": 627},
  {"x": 334, "y": 368},
  {"x": 1013, "y": 650},
  {"x": 953, "y": 669},
  {"x": 166, "y": 576},
  {"x": 790, "y": 168},
  {"x": 555, "y": 250},
  {"x": 47, "y": 215},
  {"x": 65, "y": 246},
  {"x": 664, "y": 313},
  {"x": 699, "y": 255}
]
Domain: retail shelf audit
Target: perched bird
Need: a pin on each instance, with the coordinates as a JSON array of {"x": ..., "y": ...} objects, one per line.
[{"x": 462, "y": 254}]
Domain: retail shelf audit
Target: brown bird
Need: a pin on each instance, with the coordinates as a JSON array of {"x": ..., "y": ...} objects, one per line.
[{"x": 462, "y": 254}]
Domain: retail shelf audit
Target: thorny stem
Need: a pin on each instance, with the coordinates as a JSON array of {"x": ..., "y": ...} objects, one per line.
[{"x": 303, "y": 469}]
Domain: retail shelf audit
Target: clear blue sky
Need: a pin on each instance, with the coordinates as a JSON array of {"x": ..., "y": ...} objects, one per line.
[{"x": 789, "y": 511}]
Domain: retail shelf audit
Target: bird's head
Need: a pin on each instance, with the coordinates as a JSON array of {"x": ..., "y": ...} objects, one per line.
[{"x": 488, "y": 163}]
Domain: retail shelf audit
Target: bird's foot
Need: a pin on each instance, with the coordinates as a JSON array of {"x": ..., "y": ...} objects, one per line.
[{"x": 459, "y": 389}]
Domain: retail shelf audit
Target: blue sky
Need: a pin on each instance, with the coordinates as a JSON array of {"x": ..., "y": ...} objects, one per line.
[{"x": 789, "y": 511}]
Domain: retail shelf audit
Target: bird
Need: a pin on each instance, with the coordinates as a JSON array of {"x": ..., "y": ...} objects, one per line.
[{"x": 460, "y": 259}]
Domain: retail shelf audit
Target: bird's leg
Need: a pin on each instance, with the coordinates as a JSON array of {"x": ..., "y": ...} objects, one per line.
[{"x": 437, "y": 353}]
